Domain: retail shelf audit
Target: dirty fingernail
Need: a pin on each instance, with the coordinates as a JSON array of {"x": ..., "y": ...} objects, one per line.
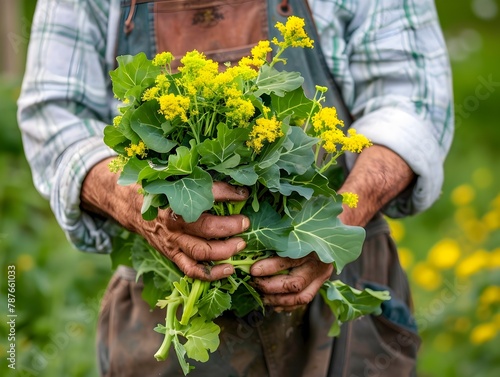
[
  {"x": 228, "y": 271},
  {"x": 257, "y": 271},
  {"x": 245, "y": 223},
  {"x": 241, "y": 245}
]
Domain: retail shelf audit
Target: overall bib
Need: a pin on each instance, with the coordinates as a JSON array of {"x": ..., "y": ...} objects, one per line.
[{"x": 274, "y": 344}]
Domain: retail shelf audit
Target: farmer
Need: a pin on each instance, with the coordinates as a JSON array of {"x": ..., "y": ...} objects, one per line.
[{"x": 390, "y": 64}]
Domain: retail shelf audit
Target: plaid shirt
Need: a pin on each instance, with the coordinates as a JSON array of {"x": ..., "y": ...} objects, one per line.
[{"x": 388, "y": 57}]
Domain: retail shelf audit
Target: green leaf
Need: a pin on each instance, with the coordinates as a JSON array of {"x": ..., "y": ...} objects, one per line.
[
  {"x": 246, "y": 299},
  {"x": 311, "y": 179},
  {"x": 180, "y": 351},
  {"x": 146, "y": 259},
  {"x": 146, "y": 122},
  {"x": 244, "y": 175},
  {"x": 297, "y": 157},
  {"x": 229, "y": 142},
  {"x": 131, "y": 170},
  {"x": 133, "y": 75},
  {"x": 348, "y": 303},
  {"x": 189, "y": 196},
  {"x": 317, "y": 228},
  {"x": 267, "y": 230},
  {"x": 213, "y": 303},
  {"x": 294, "y": 103},
  {"x": 271, "y": 80},
  {"x": 201, "y": 337},
  {"x": 113, "y": 136}
]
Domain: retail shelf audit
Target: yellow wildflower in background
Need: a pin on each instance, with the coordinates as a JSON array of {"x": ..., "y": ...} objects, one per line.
[
  {"x": 293, "y": 33},
  {"x": 264, "y": 130},
  {"x": 444, "y": 254},
  {"x": 405, "y": 257},
  {"x": 24, "y": 262},
  {"x": 495, "y": 258},
  {"x": 350, "y": 199},
  {"x": 426, "y": 276},
  {"x": 483, "y": 333},
  {"x": 490, "y": 295},
  {"x": 463, "y": 195},
  {"x": 355, "y": 142},
  {"x": 472, "y": 264},
  {"x": 397, "y": 229}
]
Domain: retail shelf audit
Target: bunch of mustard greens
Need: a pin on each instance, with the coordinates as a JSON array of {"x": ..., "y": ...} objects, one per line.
[{"x": 249, "y": 124}]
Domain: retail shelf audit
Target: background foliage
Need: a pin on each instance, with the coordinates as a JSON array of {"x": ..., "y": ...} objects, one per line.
[{"x": 451, "y": 252}]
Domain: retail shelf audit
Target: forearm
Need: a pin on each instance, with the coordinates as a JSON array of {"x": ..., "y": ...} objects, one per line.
[
  {"x": 102, "y": 195},
  {"x": 377, "y": 177}
]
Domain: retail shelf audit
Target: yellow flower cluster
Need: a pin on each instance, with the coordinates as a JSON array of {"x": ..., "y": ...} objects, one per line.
[
  {"x": 116, "y": 164},
  {"x": 264, "y": 130},
  {"x": 293, "y": 33},
  {"x": 163, "y": 59},
  {"x": 355, "y": 142},
  {"x": 350, "y": 199},
  {"x": 259, "y": 55},
  {"x": 138, "y": 149},
  {"x": 172, "y": 105}
]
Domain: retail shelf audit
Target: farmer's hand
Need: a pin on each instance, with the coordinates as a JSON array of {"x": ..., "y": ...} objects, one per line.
[
  {"x": 295, "y": 289},
  {"x": 188, "y": 245}
]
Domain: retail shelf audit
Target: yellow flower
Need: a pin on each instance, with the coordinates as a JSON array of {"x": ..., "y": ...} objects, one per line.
[
  {"x": 426, "y": 276},
  {"x": 483, "y": 333},
  {"x": 116, "y": 164},
  {"x": 150, "y": 93},
  {"x": 163, "y": 59},
  {"x": 293, "y": 34},
  {"x": 259, "y": 53},
  {"x": 326, "y": 119},
  {"x": 172, "y": 106},
  {"x": 495, "y": 258},
  {"x": 473, "y": 263},
  {"x": 444, "y": 254},
  {"x": 405, "y": 257},
  {"x": 355, "y": 142},
  {"x": 397, "y": 229},
  {"x": 264, "y": 130},
  {"x": 330, "y": 139},
  {"x": 25, "y": 262},
  {"x": 138, "y": 149},
  {"x": 117, "y": 120},
  {"x": 350, "y": 199},
  {"x": 462, "y": 195},
  {"x": 490, "y": 295}
]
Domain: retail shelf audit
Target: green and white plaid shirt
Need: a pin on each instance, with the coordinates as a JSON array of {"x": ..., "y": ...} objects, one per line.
[{"x": 388, "y": 56}]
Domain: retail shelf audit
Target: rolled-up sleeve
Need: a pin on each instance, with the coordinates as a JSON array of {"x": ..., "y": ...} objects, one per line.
[
  {"x": 64, "y": 105},
  {"x": 394, "y": 72}
]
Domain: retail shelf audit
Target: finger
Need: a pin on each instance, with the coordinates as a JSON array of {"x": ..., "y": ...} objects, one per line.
[
  {"x": 297, "y": 280},
  {"x": 202, "y": 250},
  {"x": 294, "y": 299},
  {"x": 224, "y": 192},
  {"x": 208, "y": 226},
  {"x": 199, "y": 270},
  {"x": 271, "y": 266}
]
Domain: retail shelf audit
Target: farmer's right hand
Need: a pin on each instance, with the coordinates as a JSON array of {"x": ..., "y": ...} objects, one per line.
[{"x": 188, "y": 245}]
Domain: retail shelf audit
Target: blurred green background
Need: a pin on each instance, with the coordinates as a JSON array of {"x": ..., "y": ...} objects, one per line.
[{"x": 451, "y": 252}]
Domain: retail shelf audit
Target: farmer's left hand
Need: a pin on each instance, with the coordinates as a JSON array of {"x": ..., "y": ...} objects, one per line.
[{"x": 294, "y": 289}]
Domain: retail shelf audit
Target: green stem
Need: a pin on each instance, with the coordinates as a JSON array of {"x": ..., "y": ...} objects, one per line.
[
  {"x": 162, "y": 352},
  {"x": 197, "y": 289},
  {"x": 332, "y": 161}
]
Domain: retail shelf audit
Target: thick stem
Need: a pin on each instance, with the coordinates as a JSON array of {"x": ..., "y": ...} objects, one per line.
[
  {"x": 196, "y": 291},
  {"x": 162, "y": 352}
]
